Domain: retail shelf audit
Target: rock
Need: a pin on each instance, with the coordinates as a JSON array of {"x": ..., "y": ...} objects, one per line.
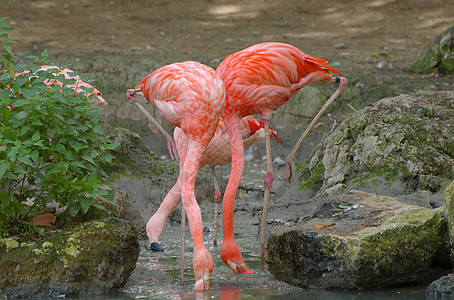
[
  {"x": 396, "y": 146},
  {"x": 373, "y": 242},
  {"x": 90, "y": 258},
  {"x": 448, "y": 211},
  {"x": 438, "y": 55},
  {"x": 304, "y": 105},
  {"x": 442, "y": 288}
]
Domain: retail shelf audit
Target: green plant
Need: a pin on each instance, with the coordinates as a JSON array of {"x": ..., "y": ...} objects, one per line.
[{"x": 51, "y": 143}]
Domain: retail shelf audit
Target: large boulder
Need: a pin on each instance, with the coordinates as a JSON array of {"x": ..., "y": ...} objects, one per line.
[
  {"x": 357, "y": 241},
  {"x": 90, "y": 258},
  {"x": 396, "y": 146},
  {"x": 438, "y": 56}
]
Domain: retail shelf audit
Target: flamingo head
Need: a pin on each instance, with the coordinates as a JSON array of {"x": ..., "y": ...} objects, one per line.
[
  {"x": 238, "y": 268},
  {"x": 231, "y": 256},
  {"x": 203, "y": 266}
]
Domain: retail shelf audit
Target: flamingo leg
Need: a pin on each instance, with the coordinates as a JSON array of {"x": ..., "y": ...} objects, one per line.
[
  {"x": 156, "y": 224},
  {"x": 182, "y": 250},
  {"x": 290, "y": 161},
  {"x": 217, "y": 196},
  {"x": 189, "y": 173},
  {"x": 267, "y": 185}
]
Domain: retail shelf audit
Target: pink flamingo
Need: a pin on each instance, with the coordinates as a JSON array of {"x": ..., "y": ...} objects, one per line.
[
  {"x": 190, "y": 96},
  {"x": 217, "y": 153},
  {"x": 258, "y": 80}
]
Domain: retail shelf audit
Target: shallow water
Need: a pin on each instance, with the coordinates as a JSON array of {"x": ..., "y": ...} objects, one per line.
[{"x": 157, "y": 277}]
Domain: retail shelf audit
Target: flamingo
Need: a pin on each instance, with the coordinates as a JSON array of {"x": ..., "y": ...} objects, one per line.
[
  {"x": 258, "y": 80},
  {"x": 191, "y": 96},
  {"x": 67, "y": 73},
  {"x": 217, "y": 153}
]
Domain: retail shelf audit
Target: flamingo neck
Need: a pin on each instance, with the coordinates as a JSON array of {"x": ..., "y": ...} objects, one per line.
[{"x": 237, "y": 149}]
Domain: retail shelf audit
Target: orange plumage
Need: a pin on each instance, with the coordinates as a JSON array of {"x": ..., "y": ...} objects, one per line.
[{"x": 258, "y": 80}]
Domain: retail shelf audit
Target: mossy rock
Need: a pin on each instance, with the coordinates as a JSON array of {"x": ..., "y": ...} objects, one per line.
[
  {"x": 448, "y": 211},
  {"x": 94, "y": 257},
  {"x": 406, "y": 142},
  {"x": 438, "y": 56},
  {"x": 378, "y": 242}
]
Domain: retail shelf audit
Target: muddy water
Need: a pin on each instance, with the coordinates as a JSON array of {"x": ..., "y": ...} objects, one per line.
[{"x": 160, "y": 272}]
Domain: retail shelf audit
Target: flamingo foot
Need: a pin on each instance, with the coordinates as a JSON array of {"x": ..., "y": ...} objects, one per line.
[
  {"x": 204, "y": 282},
  {"x": 291, "y": 168},
  {"x": 156, "y": 247}
]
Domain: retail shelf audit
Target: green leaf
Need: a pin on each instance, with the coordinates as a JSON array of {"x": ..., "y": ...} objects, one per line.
[
  {"x": 19, "y": 207},
  {"x": 73, "y": 208},
  {"x": 85, "y": 203},
  {"x": 36, "y": 122},
  {"x": 20, "y": 102},
  {"x": 34, "y": 156},
  {"x": 8, "y": 211},
  {"x": 5, "y": 197},
  {"x": 92, "y": 179},
  {"x": 74, "y": 144},
  {"x": 24, "y": 129},
  {"x": 109, "y": 195},
  {"x": 44, "y": 54},
  {"x": 69, "y": 155},
  {"x": 25, "y": 159},
  {"x": 60, "y": 148},
  {"x": 35, "y": 136},
  {"x": 4, "y": 165}
]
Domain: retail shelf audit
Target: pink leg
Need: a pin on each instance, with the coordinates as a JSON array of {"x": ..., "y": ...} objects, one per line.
[
  {"x": 202, "y": 260},
  {"x": 217, "y": 196},
  {"x": 267, "y": 184},
  {"x": 290, "y": 161},
  {"x": 157, "y": 222}
]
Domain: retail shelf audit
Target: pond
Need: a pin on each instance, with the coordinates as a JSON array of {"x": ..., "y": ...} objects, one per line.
[{"x": 157, "y": 276}]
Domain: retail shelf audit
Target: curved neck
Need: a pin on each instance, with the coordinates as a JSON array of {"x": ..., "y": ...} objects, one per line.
[{"x": 236, "y": 144}]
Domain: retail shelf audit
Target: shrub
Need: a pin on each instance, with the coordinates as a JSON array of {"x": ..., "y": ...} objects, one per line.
[{"x": 52, "y": 146}]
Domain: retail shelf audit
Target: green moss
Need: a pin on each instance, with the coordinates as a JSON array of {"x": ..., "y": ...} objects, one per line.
[
  {"x": 8, "y": 244},
  {"x": 356, "y": 124},
  {"x": 316, "y": 176},
  {"x": 437, "y": 55}
]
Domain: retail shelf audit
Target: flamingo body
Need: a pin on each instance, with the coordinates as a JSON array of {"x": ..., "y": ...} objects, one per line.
[
  {"x": 258, "y": 80},
  {"x": 261, "y": 78},
  {"x": 190, "y": 96}
]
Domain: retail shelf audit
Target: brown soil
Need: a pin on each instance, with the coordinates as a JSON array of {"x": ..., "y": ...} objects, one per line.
[{"x": 347, "y": 31}]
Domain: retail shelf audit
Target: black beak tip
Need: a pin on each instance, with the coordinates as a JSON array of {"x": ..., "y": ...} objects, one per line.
[{"x": 156, "y": 247}]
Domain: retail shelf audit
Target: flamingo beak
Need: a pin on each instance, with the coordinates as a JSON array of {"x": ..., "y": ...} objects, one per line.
[
  {"x": 204, "y": 282},
  {"x": 236, "y": 268}
]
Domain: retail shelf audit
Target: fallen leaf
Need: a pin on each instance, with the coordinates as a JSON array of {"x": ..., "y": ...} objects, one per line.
[
  {"x": 324, "y": 226},
  {"x": 44, "y": 220}
]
